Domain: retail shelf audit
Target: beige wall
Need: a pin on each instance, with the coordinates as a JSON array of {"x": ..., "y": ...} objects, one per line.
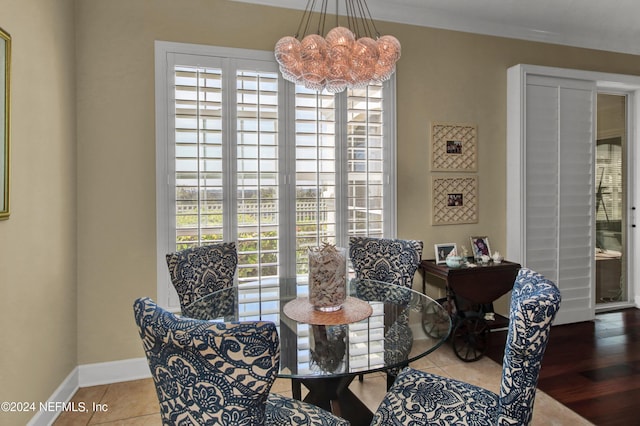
[
  {"x": 442, "y": 76},
  {"x": 38, "y": 242}
]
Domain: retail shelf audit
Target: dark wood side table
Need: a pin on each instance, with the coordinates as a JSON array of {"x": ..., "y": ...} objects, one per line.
[
  {"x": 471, "y": 291},
  {"x": 481, "y": 284}
]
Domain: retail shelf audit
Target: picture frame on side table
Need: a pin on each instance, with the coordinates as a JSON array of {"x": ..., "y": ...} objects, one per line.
[
  {"x": 444, "y": 250},
  {"x": 480, "y": 247}
]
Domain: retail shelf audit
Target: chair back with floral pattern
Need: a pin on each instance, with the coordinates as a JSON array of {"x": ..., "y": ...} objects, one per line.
[
  {"x": 208, "y": 372},
  {"x": 534, "y": 304},
  {"x": 421, "y": 398},
  {"x": 388, "y": 260},
  {"x": 198, "y": 271}
]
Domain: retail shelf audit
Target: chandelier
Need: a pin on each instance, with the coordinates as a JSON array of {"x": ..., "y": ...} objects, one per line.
[{"x": 346, "y": 57}]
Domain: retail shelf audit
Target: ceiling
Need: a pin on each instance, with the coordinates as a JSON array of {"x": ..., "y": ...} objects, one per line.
[{"x": 595, "y": 24}]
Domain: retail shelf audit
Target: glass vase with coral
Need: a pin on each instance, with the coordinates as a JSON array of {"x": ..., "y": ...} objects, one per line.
[{"x": 327, "y": 277}]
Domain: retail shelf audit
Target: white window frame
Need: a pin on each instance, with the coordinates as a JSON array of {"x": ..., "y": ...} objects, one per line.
[{"x": 165, "y": 159}]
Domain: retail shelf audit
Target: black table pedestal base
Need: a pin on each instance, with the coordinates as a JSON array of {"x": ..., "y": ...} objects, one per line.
[{"x": 333, "y": 394}]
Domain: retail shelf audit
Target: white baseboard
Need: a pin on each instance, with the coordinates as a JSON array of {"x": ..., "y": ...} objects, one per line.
[
  {"x": 101, "y": 373},
  {"x": 65, "y": 392}
]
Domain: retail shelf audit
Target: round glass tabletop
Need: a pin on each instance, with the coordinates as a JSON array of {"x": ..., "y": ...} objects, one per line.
[{"x": 404, "y": 325}]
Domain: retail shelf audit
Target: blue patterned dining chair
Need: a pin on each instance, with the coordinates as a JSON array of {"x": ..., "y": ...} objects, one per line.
[
  {"x": 198, "y": 271},
  {"x": 382, "y": 259},
  {"x": 392, "y": 261},
  {"x": 218, "y": 373},
  {"x": 419, "y": 398}
]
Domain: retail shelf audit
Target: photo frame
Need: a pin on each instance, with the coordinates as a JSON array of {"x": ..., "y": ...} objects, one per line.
[
  {"x": 5, "y": 66},
  {"x": 480, "y": 246},
  {"x": 454, "y": 147},
  {"x": 444, "y": 250},
  {"x": 455, "y": 200}
]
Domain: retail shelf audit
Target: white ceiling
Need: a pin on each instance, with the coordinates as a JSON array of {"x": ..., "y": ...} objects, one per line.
[{"x": 596, "y": 24}]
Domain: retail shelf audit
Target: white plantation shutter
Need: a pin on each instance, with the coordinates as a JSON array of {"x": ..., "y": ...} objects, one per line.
[
  {"x": 257, "y": 192},
  {"x": 198, "y": 156},
  {"x": 341, "y": 150},
  {"x": 337, "y": 198},
  {"x": 550, "y": 184},
  {"x": 243, "y": 156},
  {"x": 316, "y": 176},
  {"x": 366, "y": 159},
  {"x": 576, "y": 240},
  {"x": 218, "y": 166}
]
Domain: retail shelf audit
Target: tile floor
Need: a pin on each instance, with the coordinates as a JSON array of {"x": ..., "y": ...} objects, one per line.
[{"x": 135, "y": 402}]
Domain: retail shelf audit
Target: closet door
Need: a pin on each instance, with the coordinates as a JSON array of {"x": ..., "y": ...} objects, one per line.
[{"x": 550, "y": 184}]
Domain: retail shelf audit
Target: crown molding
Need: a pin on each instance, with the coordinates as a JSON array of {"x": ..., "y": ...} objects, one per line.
[{"x": 405, "y": 13}]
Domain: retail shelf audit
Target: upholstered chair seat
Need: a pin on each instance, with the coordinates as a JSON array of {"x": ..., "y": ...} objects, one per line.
[
  {"x": 198, "y": 271},
  {"x": 217, "y": 373},
  {"x": 420, "y": 398}
]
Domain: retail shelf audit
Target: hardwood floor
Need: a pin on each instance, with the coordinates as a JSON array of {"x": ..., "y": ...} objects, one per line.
[{"x": 592, "y": 367}]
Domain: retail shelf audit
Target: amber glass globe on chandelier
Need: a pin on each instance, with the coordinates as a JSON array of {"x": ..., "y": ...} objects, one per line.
[{"x": 346, "y": 57}]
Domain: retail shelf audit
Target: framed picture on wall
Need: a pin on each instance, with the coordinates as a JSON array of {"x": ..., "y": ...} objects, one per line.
[
  {"x": 444, "y": 250},
  {"x": 454, "y": 147},
  {"x": 455, "y": 200}
]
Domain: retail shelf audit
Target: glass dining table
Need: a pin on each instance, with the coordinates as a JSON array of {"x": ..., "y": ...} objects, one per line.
[{"x": 326, "y": 355}]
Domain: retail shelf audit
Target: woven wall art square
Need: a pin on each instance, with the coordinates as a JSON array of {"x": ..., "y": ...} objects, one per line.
[
  {"x": 454, "y": 147},
  {"x": 455, "y": 200}
]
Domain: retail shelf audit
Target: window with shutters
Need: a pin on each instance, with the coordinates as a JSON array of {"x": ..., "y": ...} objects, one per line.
[{"x": 244, "y": 156}]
